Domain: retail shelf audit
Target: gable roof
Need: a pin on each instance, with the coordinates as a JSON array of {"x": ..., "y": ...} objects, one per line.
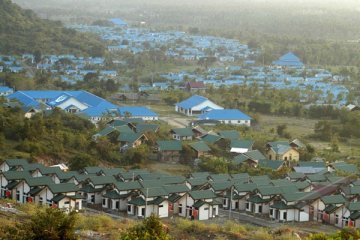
[
  {"x": 137, "y": 111},
  {"x": 130, "y": 137},
  {"x": 241, "y": 143},
  {"x": 202, "y": 194},
  {"x": 169, "y": 145},
  {"x": 229, "y": 134},
  {"x": 289, "y": 59},
  {"x": 142, "y": 128},
  {"x": 272, "y": 164},
  {"x": 192, "y": 101},
  {"x": 224, "y": 114},
  {"x": 183, "y": 132},
  {"x": 200, "y": 146},
  {"x": 211, "y": 138}
]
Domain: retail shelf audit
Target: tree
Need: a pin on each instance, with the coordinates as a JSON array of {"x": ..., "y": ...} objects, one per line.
[
  {"x": 46, "y": 223},
  {"x": 150, "y": 229}
]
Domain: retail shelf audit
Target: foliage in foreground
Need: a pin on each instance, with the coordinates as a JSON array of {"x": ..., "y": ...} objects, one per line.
[
  {"x": 150, "y": 229},
  {"x": 46, "y": 223}
]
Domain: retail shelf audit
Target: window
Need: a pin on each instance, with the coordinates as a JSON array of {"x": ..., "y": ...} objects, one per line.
[
  {"x": 260, "y": 209},
  {"x": 143, "y": 212},
  {"x": 129, "y": 208},
  {"x": 336, "y": 219},
  {"x": 247, "y": 205},
  {"x": 117, "y": 204},
  {"x": 180, "y": 208},
  {"x": 271, "y": 212},
  {"x": 67, "y": 203},
  {"x": 92, "y": 199},
  {"x": 104, "y": 201},
  {"x": 160, "y": 206},
  {"x": 206, "y": 209},
  {"x": 224, "y": 201}
]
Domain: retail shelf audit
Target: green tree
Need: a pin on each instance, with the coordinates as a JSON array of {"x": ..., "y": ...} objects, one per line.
[
  {"x": 46, "y": 224},
  {"x": 150, "y": 229}
]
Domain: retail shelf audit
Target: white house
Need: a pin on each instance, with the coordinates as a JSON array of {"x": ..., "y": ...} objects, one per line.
[
  {"x": 195, "y": 105},
  {"x": 227, "y": 116}
]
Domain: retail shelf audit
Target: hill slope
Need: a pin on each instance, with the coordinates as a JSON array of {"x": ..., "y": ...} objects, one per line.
[{"x": 22, "y": 31}]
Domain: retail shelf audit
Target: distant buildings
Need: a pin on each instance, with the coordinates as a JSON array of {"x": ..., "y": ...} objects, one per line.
[
  {"x": 289, "y": 60},
  {"x": 195, "y": 105}
]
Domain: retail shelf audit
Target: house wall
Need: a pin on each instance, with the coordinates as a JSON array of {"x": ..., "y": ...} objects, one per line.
[
  {"x": 23, "y": 188},
  {"x": 205, "y": 212},
  {"x": 164, "y": 210},
  {"x": 4, "y": 167},
  {"x": 169, "y": 156},
  {"x": 291, "y": 155},
  {"x": 44, "y": 197},
  {"x": 236, "y": 122}
]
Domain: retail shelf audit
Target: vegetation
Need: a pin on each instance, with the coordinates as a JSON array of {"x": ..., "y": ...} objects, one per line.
[
  {"x": 46, "y": 223},
  {"x": 21, "y": 31}
]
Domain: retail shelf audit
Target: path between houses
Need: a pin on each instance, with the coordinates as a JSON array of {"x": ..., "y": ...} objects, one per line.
[{"x": 176, "y": 121}]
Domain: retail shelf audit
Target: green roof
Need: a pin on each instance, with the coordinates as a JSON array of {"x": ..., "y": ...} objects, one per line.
[
  {"x": 261, "y": 180},
  {"x": 16, "y": 175},
  {"x": 12, "y": 185},
  {"x": 346, "y": 167},
  {"x": 112, "y": 171},
  {"x": 317, "y": 177},
  {"x": 58, "y": 198},
  {"x": 200, "y": 146},
  {"x": 354, "y": 215},
  {"x": 102, "y": 180},
  {"x": 330, "y": 208},
  {"x": 200, "y": 174},
  {"x": 199, "y": 203},
  {"x": 268, "y": 190},
  {"x": 272, "y": 164},
  {"x": 35, "y": 191},
  {"x": 197, "y": 181},
  {"x": 174, "y": 197},
  {"x": 302, "y": 185},
  {"x": 240, "y": 159},
  {"x": 221, "y": 186},
  {"x": 138, "y": 201},
  {"x": 257, "y": 199},
  {"x": 333, "y": 199},
  {"x": 229, "y": 134},
  {"x": 354, "y": 206},
  {"x": 281, "y": 205},
  {"x": 311, "y": 164},
  {"x": 130, "y": 137},
  {"x": 220, "y": 177},
  {"x": 210, "y": 138},
  {"x": 169, "y": 145},
  {"x": 113, "y": 194},
  {"x": 176, "y": 188},
  {"x": 241, "y": 143},
  {"x": 126, "y": 186},
  {"x": 16, "y": 162},
  {"x": 249, "y": 187},
  {"x": 296, "y": 175},
  {"x": 154, "y": 192},
  {"x": 202, "y": 194},
  {"x": 297, "y": 196},
  {"x": 92, "y": 170},
  {"x": 255, "y": 155},
  {"x": 183, "y": 132},
  {"x": 281, "y": 182},
  {"x": 63, "y": 188},
  {"x": 240, "y": 176},
  {"x": 104, "y": 132},
  {"x": 151, "y": 183},
  {"x": 142, "y": 128},
  {"x": 172, "y": 179},
  {"x": 39, "y": 181}
]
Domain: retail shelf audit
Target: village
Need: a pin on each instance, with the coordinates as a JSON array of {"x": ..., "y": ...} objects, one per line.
[{"x": 314, "y": 190}]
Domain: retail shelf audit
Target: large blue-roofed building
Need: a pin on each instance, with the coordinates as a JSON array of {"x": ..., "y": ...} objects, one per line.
[
  {"x": 227, "y": 116},
  {"x": 289, "y": 60},
  {"x": 196, "y": 105},
  {"x": 79, "y": 102}
]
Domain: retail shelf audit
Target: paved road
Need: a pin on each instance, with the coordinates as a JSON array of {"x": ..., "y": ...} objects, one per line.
[
  {"x": 245, "y": 218},
  {"x": 176, "y": 121}
]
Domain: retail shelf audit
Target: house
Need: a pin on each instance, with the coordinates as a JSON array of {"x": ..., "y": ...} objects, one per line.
[
  {"x": 138, "y": 112},
  {"x": 227, "y": 116},
  {"x": 195, "y": 87},
  {"x": 289, "y": 60},
  {"x": 343, "y": 167},
  {"x": 182, "y": 134},
  {"x": 195, "y": 105},
  {"x": 169, "y": 150},
  {"x": 199, "y": 205},
  {"x": 281, "y": 150},
  {"x": 329, "y": 208},
  {"x": 79, "y": 102},
  {"x": 200, "y": 148},
  {"x": 241, "y": 146},
  {"x": 251, "y": 158},
  {"x": 131, "y": 140},
  {"x": 150, "y": 201}
]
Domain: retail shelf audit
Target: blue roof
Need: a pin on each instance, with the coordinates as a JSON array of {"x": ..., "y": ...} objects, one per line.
[
  {"x": 5, "y": 89},
  {"x": 137, "y": 111},
  {"x": 289, "y": 59},
  {"x": 23, "y": 98},
  {"x": 192, "y": 101},
  {"x": 118, "y": 21},
  {"x": 224, "y": 114}
]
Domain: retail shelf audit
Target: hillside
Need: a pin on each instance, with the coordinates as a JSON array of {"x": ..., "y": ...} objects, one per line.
[{"x": 21, "y": 31}]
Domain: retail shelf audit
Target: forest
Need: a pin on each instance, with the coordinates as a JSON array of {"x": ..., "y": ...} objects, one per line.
[{"x": 22, "y": 31}]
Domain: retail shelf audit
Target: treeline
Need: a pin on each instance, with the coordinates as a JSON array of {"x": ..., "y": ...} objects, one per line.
[{"x": 21, "y": 31}]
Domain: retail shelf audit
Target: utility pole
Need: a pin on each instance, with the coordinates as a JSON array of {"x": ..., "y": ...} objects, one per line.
[
  {"x": 146, "y": 197},
  {"x": 231, "y": 193}
]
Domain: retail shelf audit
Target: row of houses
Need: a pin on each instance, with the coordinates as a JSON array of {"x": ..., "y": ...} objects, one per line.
[
  {"x": 81, "y": 103},
  {"x": 322, "y": 197}
]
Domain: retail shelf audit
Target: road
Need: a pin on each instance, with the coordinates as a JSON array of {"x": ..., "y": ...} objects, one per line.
[
  {"x": 245, "y": 218},
  {"x": 176, "y": 122}
]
